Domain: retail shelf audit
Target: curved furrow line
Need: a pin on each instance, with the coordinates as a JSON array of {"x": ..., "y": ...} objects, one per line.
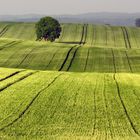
[
  {"x": 65, "y": 60},
  {"x": 30, "y": 103},
  {"x": 16, "y": 81},
  {"x": 85, "y": 33},
  {"x": 60, "y": 97},
  {"x": 86, "y": 60},
  {"x": 4, "y": 30},
  {"x": 14, "y": 113},
  {"x": 130, "y": 67},
  {"x": 82, "y": 37},
  {"x": 92, "y": 38},
  {"x": 106, "y": 108},
  {"x": 106, "y": 35},
  {"x": 11, "y": 75},
  {"x": 75, "y": 97},
  {"x": 12, "y": 44},
  {"x": 135, "y": 38},
  {"x": 8, "y": 44},
  {"x": 27, "y": 55},
  {"x": 113, "y": 36},
  {"x": 72, "y": 58},
  {"x": 95, "y": 109},
  {"x": 114, "y": 64},
  {"x": 123, "y": 105},
  {"x": 55, "y": 109},
  {"x": 94, "y": 35},
  {"x": 74, "y": 110},
  {"x": 51, "y": 58},
  {"x": 127, "y": 37},
  {"x": 11, "y": 56},
  {"x": 54, "y": 112},
  {"x": 124, "y": 37},
  {"x": 81, "y": 43}
]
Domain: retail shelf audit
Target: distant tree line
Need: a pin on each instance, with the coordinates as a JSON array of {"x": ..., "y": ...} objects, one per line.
[{"x": 138, "y": 22}]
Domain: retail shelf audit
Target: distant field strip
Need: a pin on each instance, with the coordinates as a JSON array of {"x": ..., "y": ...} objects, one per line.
[
  {"x": 102, "y": 35},
  {"x": 75, "y": 58},
  {"x": 19, "y": 31},
  {"x": 69, "y": 105},
  {"x": 94, "y": 35},
  {"x": 71, "y": 33}
]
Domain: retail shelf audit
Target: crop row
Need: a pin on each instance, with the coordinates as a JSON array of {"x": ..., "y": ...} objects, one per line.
[
  {"x": 102, "y": 36},
  {"x": 69, "y": 105},
  {"x": 18, "y": 30},
  {"x": 68, "y": 58},
  {"x": 96, "y": 35}
]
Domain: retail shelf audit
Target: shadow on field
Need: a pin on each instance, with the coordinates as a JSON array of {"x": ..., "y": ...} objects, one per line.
[{"x": 71, "y": 42}]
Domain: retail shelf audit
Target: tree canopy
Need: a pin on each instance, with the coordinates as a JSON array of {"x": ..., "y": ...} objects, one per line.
[
  {"x": 138, "y": 22},
  {"x": 48, "y": 29}
]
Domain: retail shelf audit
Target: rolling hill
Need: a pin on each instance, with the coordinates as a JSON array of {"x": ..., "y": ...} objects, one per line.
[
  {"x": 59, "y": 105},
  {"x": 80, "y": 48},
  {"x": 84, "y": 86}
]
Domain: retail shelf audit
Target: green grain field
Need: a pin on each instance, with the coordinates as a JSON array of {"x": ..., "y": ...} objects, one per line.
[{"x": 84, "y": 86}]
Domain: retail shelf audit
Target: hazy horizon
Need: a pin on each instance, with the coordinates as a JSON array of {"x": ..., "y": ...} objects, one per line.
[
  {"x": 71, "y": 14},
  {"x": 53, "y": 7}
]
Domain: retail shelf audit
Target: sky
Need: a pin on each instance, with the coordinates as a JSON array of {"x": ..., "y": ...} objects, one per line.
[{"x": 56, "y": 7}]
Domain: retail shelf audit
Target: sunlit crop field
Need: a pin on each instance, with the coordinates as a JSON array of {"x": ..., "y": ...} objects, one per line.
[{"x": 84, "y": 86}]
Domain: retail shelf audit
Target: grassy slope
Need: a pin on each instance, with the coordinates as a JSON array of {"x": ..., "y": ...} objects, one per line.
[
  {"x": 25, "y": 31},
  {"x": 103, "y": 104},
  {"x": 64, "y": 57},
  {"x": 96, "y": 35},
  {"x": 86, "y": 106}
]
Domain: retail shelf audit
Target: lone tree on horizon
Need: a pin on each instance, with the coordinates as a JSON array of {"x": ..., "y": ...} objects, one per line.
[
  {"x": 48, "y": 29},
  {"x": 138, "y": 22}
]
